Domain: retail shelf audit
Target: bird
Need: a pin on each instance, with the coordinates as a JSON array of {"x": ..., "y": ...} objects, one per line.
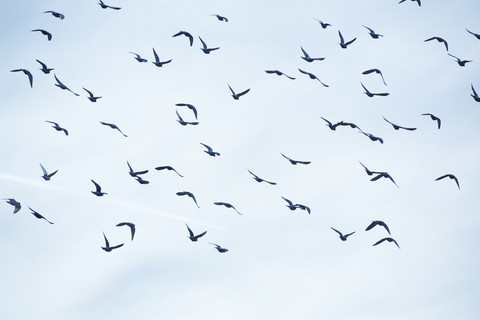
[
  {"x": 342, "y": 236},
  {"x": 56, "y": 14},
  {"x": 157, "y": 61},
  {"x": 113, "y": 126},
  {"x": 279, "y": 73},
  {"x": 292, "y": 206},
  {"x": 346, "y": 124},
  {"x": 434, "y": 118},
  {"x": 189, "y": 106},
  {"x": 330, "y": 125},
  {"x": 323, "y": 24},
  {"x": 372, "y": 33},
  {"x": 475, "y": 95},
  {"x": 184, "y": 123},
  {"x": 477, "y": 35},
  {"x": 344, "y": 44},
  {"x": 141, "y": 180},
  {"x": 186, "y": 34},
  {"x": 107, "y": 247},
  {"x": 371, "y": 136},
  {"x": 62, "y": 86},
  {"x": 460, "y": 62},
  {"x": 14, "y": 203},
  {"x": 418, "y": 1},
  {"x": 91, "y": 96},
  {"x": 134, "y": 173},
  {"x": 378, "y": 223},
  {"x": 130, "y": 225},
  {"x": 258, "y": 179},
  {"x": 376, "y": 71},
  {"x": 387, "y": 239},
  {"x": 451, "y": 176},
  {"x": 38, "y": 215},
  {"x": 383, "y": 175},
  {"x": 220, "y": 249},
  {"x": 192, "y": 236},
  {"x": 57, "y": 127},
  {"x": 138, "y": 57},
  {"x": 98, "y": 190},
  {"x": 237, "y": 96},
  {"x": 45, "y": 33},
  {"x": 228, "y": 205},
  {"x": 187, "y": 193},
  {"x": 104, "y": 6},
  {"x": 169, "y": 168},
  {"x": 396, "y": 126},
  {"x": 47, "y": 176},
  {"x": 44, "y": 67},
  {"x": 307, "y": 58},
  {"x": 439, "y": 40},
  {"x": 295, "y": 162},
  {"x": 209, "y": 150},
  {"x": 220, "y": 18},
  {"x": 205, "y": 48},
  {"x": 313, "y": 77},
  {"x": 28, "y": 73},
  {"x": 370, "y": 94}
]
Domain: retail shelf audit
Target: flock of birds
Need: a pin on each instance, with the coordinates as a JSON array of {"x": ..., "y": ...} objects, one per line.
[{"x": 137, "y": 175}]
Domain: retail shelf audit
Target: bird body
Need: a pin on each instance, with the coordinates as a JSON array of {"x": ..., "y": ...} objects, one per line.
[
  {"x": 205, "y": 48},
  {"x": 192, "y": 236},
  {"x": 38, "y": 215},
  {"x": 237, "y": 96},
  {"x": 28, "y": 73},
  {"x": 220, "y": 18},
  {"x": 387, "y": 239},
  {"x": 62, "y": 86},
  {"x": 451, "y": 176},
  {"x": 113, "y": 126},
  {"x": 56, "y": 14},
  {"x": 378, "y": 223},
  {"x": 44, "y": 67},
  {"x": 434, "y": 118},
  {"x": 295, "y": 162},
  {"x": 219, "y": 248},
  {"x": 344, "y": 44},
  {"x": 130, "y": 225},
  {"x": 226, "y": 204},
  {"x": 370, "y": 94},
  {"x": 134, "y": 173},
  {"x": 157, "y": 61},
  {"x": 184, "y": 123},
  {"x": 189, "y": 194},
  {"x": 209, "y": 150},
  {"x": 279, "y": 73},
  {"x": 186, "y": 34},
  {"x": 14, "y": 203},
  {"x": 47, "y": 176},
  {"x": 169, "y": 168},
  {"x": 57, "y": 127},
  {"x": 45, "y": 33},
  {"x": 138, "y": 57},
  {"x": 98, "y": 190},
  {"x": 107, "y": 247},
  {"x": 91, "y": 97},
  {"x": 307, "y": 58},
  {"x": 313, "y": 77},
  {"x": 396, "y": 126},
  {"x": 258, "y": 179},
  {"x": 342, "y": 236},
  {"x": 104, "y": 6},
  {"x": 372, "y": 33}
]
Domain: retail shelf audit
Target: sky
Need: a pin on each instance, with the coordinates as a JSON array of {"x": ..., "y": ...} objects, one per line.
[{"x": 281, "y": 263}]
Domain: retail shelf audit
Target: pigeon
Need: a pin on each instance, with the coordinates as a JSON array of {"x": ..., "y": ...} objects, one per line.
[
  {"x": 192, "y": 236},
  {"x": 434, "y": 118},
  {"x": 342, "y": 236},
  {"x": 344, "y": 44},
  {"x": 451, "y": 176},
  {"x": 475, "y": 95},
  {"x": 396, "y": 127},
  {"x": 38, "y": 215},
  {"x": 477, "y": 35},
  {"x": 14, "y": 203},
  {"x": 313, "y": 77},
  {"x": 323, "y": 24},
  {"x": 186, "y": 34},
  {"x": 237, "y": 96},
  {"x": 107, "y": 247},
  {"x": 378, "y": 223},
  {"x": 56, "y": 14},
  {"x": 113, "y": 126},
  {"x": 330, "y": 125},
  {"x": 372, "y": 33},
  {"x": 91, "y": 96},
  {"x": 370, "y": 94},
  {"x": 28, "y": 73},
  {"x": 169, "y": 168},
  {"x": 138, "y": 57},
  {"x": 439, "y": 40},
  {"x": 141, "y": 181},
  {"x": 220, "y": 18},
  {"x": 44, "y": 68},
  {"x": 258, "y": 179},
  {"x": 279, "y": 73},
  {"x": 130, "y": 225},
  {"x": 292, "y": 206},
  {"x": 104, "y": 6},
  {"x": 184, "y": 123},
  {"x": 387, "y": 239},
  {"x": 47, "y": 175},
  {"x": 418, "y": 1},
  {"x": 307, "y": 58},
  {"x": 135, "y": 173},
  {"x": 45, "y": 33},
  {"x": 62, "y": 86},
  {"x": 209, "y": 150},
  {"x": 295, "y": 162},
  {"x": 98, "y": 190},
  {"x": 186, "y": 193},
  {"x": 371, "y": 136},
  {"x": 383, "y": 175},
  {"x": 220, "y": 249},
  {"x": 460, "y": 62},
  {"x": 157, "y": 62},
  {"x": 228, "y": 205},
  {"x": 376, "y": 71},
  {"x": 57, "y": 127},
  {"x": 206, "y": 49},
  {"x": 189, "y": 106}
]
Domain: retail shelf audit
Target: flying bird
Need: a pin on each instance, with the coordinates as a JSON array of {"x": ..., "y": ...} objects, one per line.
[
  {"x": 184, "y": 123},
  {"x": 307, "y": 58},
  {"x": 387, "y": 239},
  {"x": 383, "y": 175},
  {"x": 237, "y": 96},
  {"x": 346, "y": 124},
  {"x": 47, "y": 175},
  {"x": 44, "y": 67},
  {"x": 38, "y": 215},
  {"x": 342, "y": 236},
  {"x": 477, "y": 35},
  {"x": 107, "y": 247},
  {"x": 186, "y": 193},
  {"x": 113, "y": 126},
  {"x": 130, "y": 225},
  {"x": 91, "y": 96},
  {"x": 220, "y": 18},
  {"x": 189, "y": 106},
  {"x": 323, "y": 24},
  {"x": 209, "y": 150},
  {"x": 258, "y": 179},
  {"x": 192, "y": 236},
  {"x": 157, "y": 61},
  {"x": 186, "y": 34},
  {"x": 313, "y": 77},
  {"x": 205, "y": 48},
  {"x": 228, "y": 205},
  {"x": 220, "y": 249},
  {"x": 169, "y": 168},
  {"x": 370, "y": 94},
  {"x": 44, "y": 32},
  {"x": 294, "y": 162},
  {"x": 141, "y": 180},
  {"x": 371, "y": 136},
  {"x": 279, "y": 73},
  {"x": 378, "y": 223},
  {"x": 439, "y": 40},
  {"x": 98, "y": 190},
  {"x": 418, "y": 1},
  {"x": 376, "y": 71},
  {"x": 475, "y": 95},
  {"x": 460, "y": 62},
  {"x": 134, "y": 173},
  {"x": 56, "y": 14},
  {"x": 396, "y": 126},
  {"x": 372, "y": 33},
  {"x": 28, "y": 73},
  {"x": 14, "y": 203},
  {"x": 292, "y": 206},
  {"x": 62, "y": 86},
  {"x": 434, "y": 118},
  {"x": 344, "y": 44},
  {"x": 330, "y": 125},
  {"x": 104, "y": 6},
  {"x": 138, "y": 57},
  {"x": 451, "y": 176},
  {"x": 57, "y": 127}
]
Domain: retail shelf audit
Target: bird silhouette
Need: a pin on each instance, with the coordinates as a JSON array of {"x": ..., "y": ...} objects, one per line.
[
  {"x": 107, "y": 247},
  {"x": 28, "y": 73},
  {"x": 323, "y": 24},
  {"x": 396, "y": 126},
  {"x": 475, "y": 95},
  {"x": 371, "y": 136},
  {"x": 104, "y": 6},
  {"x": 38, "y": 215},
  {"x": 91, "y": 97},
  {"x": 192, "y": 236},
  {"x": 387, "y": 239},
  {"x": 220, "y": 18},
  {"x": 434, "y": 118},
  {"x": 344, "y": 44},
  {"x": 44, "y": 67},
  {"x": 47, "y": 176},
  {"x": 292, "y": 206},
  {"x": 258, "y": 179},
  {"x": 383, "y": 175},
  {"x": 460, "y": 62},
  {"x": 62, "y": 86},
  {"x": 219, "y": 248},
  {"x": 313, "y": 77},
  {"x": 376, "y": 71},
  {"x": 138, "y": 57},
  {"x": 157, "y": 61},
  {"x": 279, "y": 73},
  {"x": 134, "y": 173},
  {"x": 439, "y": 40},
  {"x": 113, "y": 126},
  {"x": 451, "y": 176},
  {"x": 57, "y": 127},
  {"x": 295, "y": 162},
  {"x": 184, "y": 123},
  {"x": 237, "y": 96},
  {"x": 370, "y": 94},
  {"x": 189, "y": 194},
  {"x": 56, "y": 14},
  {"x": 169, "y": 168},
  {"x": 45, "y": 33},
  {"x": 226, "y": 204},
  {"x": 307, "y": 58},
  {"x": 372, "y": 33},
  {"x": 209, "y": 150},
  {"x": 98, "y": 190},
  {"x": 346, "y": 124},
  {"x": 186, "y": 34},
  {"x": 341, "y": 235},
  {"x": 378, "y": 223},
  {"x": 417, "y": 1},
  {"x": 130, "y": 225},
  {"x": 189, "y": 106},
  {"x": 14, "y": 203},
  {"x": 141, "y": 180},
  {"x": 205, "y": 48}
]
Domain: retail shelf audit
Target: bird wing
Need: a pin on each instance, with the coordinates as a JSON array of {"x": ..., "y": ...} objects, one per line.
[
  {"x": 366, "y": 90},
  {"x": 179, "y": 117},
  {"x": 157, "y": 59},
  {"x": 91, "y": 94},
  {"x": 350, "y": 42},
  {"x": 288, "y": 201},
  {"x": 209, "y": 149},
  {"x": 342, "y": 41},
  {"x": 339, "y": 233},
  {"x": 43, "y": 169},
  {"x": 371, "y": 31},
  {"x": 243, "y": 92},
  {"x": 97, "y": 186},
  {"x": 305, "y": 53},
  {"x": 442, "y": 177},
  {"x": 379, "y": 241},
  {"x": 203, "y": 43},
  {"x": 201, "y": 234},
  {"x": 190, "y": 231}
]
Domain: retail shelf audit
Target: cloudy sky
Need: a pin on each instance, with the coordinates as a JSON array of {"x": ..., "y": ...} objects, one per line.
[{"x": 281, "y": 264}]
